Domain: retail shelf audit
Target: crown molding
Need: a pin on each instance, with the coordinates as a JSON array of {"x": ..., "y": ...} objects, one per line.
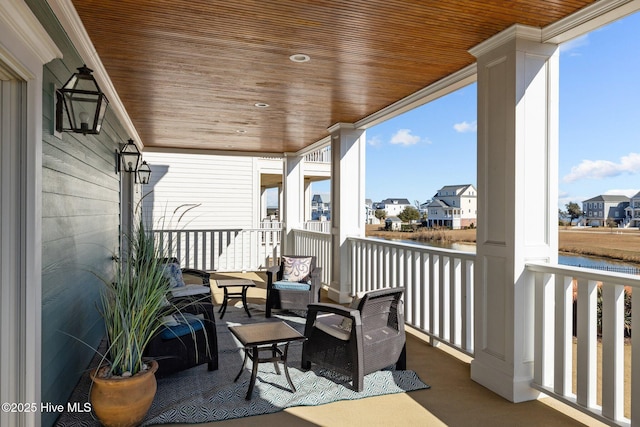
[
  {"x": 17, "y": 16},
  {"x": 72, "y": 24},
  {"x": 587, "y": 19}
]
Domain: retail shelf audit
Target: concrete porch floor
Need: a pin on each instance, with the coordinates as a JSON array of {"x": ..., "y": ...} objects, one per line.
[{"x": 453, "y": 400}]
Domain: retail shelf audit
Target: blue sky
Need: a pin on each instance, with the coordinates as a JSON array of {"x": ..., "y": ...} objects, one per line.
[{"x": 413, "y": 155}]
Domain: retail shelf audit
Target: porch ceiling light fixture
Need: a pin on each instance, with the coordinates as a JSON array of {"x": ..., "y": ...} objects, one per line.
[
  {"x": 300, "y": 57},
  {"x": 129, "y": 158},
  {"x": 83, "y": 102},
  {"x": 144, "y": 173},
  {"x": 261, "y": 105}
]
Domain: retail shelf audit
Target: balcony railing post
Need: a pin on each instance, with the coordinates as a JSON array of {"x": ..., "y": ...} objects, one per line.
[
  {"x": 586, "y": 372},
  {"x": 612, "y": 351},
  {"x": 563, "y": 351}
]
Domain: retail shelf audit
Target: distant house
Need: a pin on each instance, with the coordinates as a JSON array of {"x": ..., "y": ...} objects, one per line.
[
  {"x": 393, "y": 223},
  {"x": 320, "y": 207},
  {"x": 633, "y": 212},
  {"x": 424, "y": 209},
  {"x": 369, "y": 212},
  {"x": 392, "y": 207},
  {"x": 454, "y": 206},
  {"x": 598, "y": 210}
]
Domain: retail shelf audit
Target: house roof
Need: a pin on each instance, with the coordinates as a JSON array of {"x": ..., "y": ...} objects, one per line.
[
  {"x": 189, "y": 74},
  {"x": 321, "y": 198},
  {"x": 437, "y": 203},
  {"x": 393, "y": 219},
  {"x": 456, "y": 188},
  {"x": 608, "y": 198},
  {"x": 392, "y": 201}
]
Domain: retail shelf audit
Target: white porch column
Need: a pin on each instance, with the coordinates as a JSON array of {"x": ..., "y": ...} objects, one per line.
[
  {"x": 347, "y": 203},
  {"x": 292, "y": 209},
  {"x": 307, "y": 199},
  {"x": 263, "y": 203},
  {"x": 517, "y": 202}
]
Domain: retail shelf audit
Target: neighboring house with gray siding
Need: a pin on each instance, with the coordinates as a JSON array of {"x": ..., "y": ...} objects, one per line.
[
  {"x": 600, "y": 209},
  {"x": 633, "y": 211}
]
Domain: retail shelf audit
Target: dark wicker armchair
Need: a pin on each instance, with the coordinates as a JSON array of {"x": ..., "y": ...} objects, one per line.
[
  {"x": 360, "y": 340},
  {"x": 193, "y": 341},
  {"x": 184, "y": 346},
  {"x": 290, "y": 295}
]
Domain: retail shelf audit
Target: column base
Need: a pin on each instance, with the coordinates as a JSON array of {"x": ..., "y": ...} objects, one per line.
[
  {"x": 337, "y": 295},
  {"x": 513, "y": 389}
]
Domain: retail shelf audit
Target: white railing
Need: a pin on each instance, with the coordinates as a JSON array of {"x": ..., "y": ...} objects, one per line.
[
  {"x": 320, "y": 226},
  {"x": 439, "y": 299},
  {"x": 224, "y": 249},
  {"x": 438, "y": 285},
  {"x": 554, "y": 368},
  {"x": 438, "y": 282},
  {"x": 322, "y": 155},
  {"x": 317, "y": 244}
]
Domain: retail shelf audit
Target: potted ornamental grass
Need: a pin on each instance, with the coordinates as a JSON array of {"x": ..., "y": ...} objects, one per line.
[{"x": 133, "y": 306}]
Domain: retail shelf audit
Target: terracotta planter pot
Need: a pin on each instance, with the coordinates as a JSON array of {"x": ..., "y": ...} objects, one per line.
[{"x": 123, "y": 402}]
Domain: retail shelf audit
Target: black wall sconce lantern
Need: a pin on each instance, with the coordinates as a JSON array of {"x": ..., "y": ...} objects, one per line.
[
  {"x": 144, "y": 173},
  {"x": 129, "y": 158},
  {"x": 83, "y": 102}
]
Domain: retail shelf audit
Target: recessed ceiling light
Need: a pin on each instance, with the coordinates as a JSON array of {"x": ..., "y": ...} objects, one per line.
[
  {"x": 261, "y": 104},
  {"x": 300, "y": 57},
  {"x": 241, "y": 131}
]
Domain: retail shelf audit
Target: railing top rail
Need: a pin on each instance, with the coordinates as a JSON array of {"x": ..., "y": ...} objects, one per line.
[
  {"x": 206, "y": 230},
  {"x": 585, "y": 273},
  {"x": 311, "y": 232},
  {"x": 416, "y": 246}
]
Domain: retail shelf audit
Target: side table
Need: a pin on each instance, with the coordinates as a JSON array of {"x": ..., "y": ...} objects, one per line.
[
  {"x": 265, "y": 336},
  {"x": 225, "y": 284}
]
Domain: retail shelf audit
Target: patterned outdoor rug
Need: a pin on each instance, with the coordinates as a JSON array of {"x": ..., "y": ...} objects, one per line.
[{"x": 197, "y": 395}]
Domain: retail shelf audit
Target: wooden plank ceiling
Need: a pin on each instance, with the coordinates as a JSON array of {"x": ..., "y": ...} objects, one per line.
[{"x": 190, "y": 72}]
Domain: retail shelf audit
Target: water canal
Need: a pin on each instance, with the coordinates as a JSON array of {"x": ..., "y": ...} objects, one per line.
[{"x": 564, "y": 259}]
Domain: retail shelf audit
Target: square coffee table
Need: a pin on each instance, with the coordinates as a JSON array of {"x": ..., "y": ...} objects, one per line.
[
  {"x": 265, "y": 336},
  {"x": 225, "y": 284}
]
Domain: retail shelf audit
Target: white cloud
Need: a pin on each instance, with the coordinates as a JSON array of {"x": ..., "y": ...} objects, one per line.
[
  {"x": 604, "y": 168},
  {"x": 404, "y": 137},
  {"x": 572, "y": 45},
  {"x": 466, "y": 126},
  {"x": 375, "y": 141}
]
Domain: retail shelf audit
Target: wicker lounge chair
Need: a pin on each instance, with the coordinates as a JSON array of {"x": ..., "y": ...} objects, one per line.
[
  {"x": 191, "y": 340},
  {"x": 292, "y": 295},
  {"x": 359, "y": 340}
]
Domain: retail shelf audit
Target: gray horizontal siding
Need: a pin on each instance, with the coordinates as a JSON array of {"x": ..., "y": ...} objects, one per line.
[{"x": 80, "y": 231}]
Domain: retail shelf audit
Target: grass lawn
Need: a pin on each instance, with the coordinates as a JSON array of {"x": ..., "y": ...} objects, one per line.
[{"x": 616, "y": 244}]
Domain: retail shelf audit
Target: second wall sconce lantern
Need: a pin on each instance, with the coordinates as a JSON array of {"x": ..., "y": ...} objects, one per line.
[
  {"x": 144, "y": 173},
  {"x": 128, "y": 159},
  {"x": 81, "y": 105}
]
